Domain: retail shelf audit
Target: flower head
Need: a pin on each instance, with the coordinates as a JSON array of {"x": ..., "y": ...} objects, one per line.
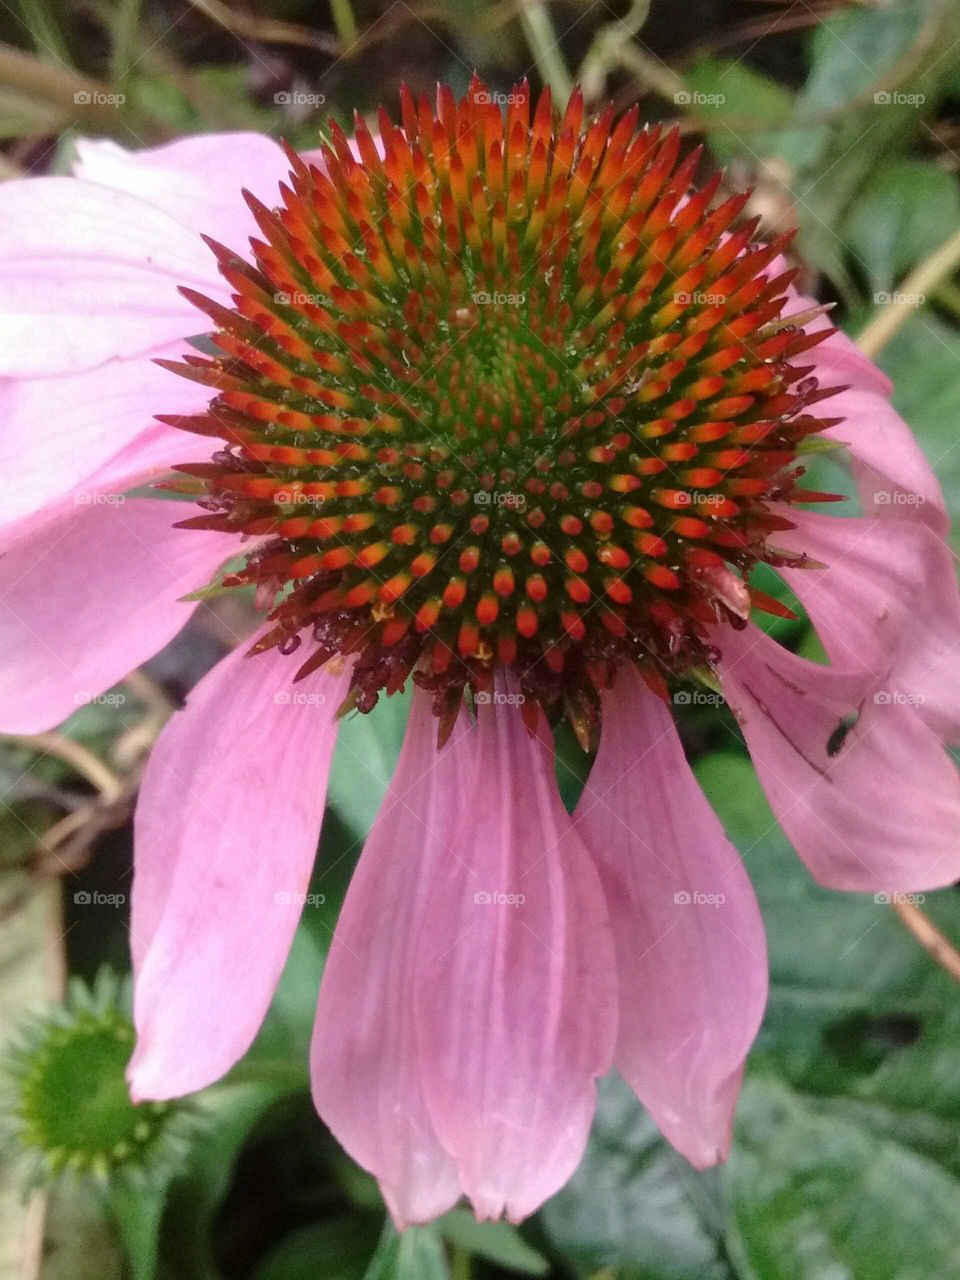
[
  {"x": 506, "y": 407},
  {"x": 499, "y": 392}
]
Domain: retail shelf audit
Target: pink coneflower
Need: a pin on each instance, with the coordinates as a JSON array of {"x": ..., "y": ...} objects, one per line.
[{"x": 504, "y": 409}]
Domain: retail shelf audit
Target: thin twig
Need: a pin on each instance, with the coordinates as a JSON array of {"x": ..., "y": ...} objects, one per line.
[
  {"x": 266, "y": 30},
  {"x": 922, "y": 281},
  {"x": 52, "y": 83},
  {"x": 545, "y": 47},
  {"x": 928, "y": 935},
  {"x": 78, "y": 757}
]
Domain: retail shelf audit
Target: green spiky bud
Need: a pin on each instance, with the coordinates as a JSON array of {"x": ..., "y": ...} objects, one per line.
[{"x": 68, "y": 1110}]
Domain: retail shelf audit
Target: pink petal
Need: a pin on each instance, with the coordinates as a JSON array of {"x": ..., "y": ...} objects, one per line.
[
  {"x": 146, "y": 459},
  {"x": 888, "y": 593},
  {"x": 516, "y": 998},
  {"x": 688, "y": 933},
  {"x": 88, "y": 597},
  {"x": 55, "y": 432},
  {"x": 875, "y": 810},
  {"x": 88, "y": 273},
  {"x": 196, "y": 180},
  {"x": 892, "y": 473},
  {"x": 226, "y": 833},
  {"x": 364, "y": 1064}
]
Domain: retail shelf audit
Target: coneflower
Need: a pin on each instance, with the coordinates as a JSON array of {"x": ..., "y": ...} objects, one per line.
[{"x": 503, "y": 407}]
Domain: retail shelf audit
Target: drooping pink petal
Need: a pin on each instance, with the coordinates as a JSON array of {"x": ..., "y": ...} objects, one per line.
[
  {"x": 88, "y": 597},
  {"x": 516, "y": 992},
  {"x": 872, "y": 805},
  {"x": 888, "y": 591},
  {"x": 196, "y": 180},
  {"x": 88, "y": 273},
  {"x": 364, "y": 1062},
  {"x": 891, "y": 471},
  {"x": 690, "y": 946},
  {"x": 56, "y": 431},
  {"x": 226, "y": 831}
]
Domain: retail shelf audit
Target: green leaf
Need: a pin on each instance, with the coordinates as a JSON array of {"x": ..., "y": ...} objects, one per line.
[
  {"x": 137, "y": 1213},
  {"x": 748, "y": 115},
  {"x": 230, "y": 1113},
  {"x": 907, "y": 209},
  {"x": 859, "y": 48},
  {"x": 363, "y": 763},
  {"x": 845, "y": 1158},
  {"x": 330, "y": 1250},
  {"x": 43, "y": 25},
  {"x": 859, "y": 1016},
  {"x": 279, "y": 1054},
  {"x": 876, "y": 72},
  {"x": 498, "y": 1242},
  {"x": 813, "y": 1197},
  {"x": 572, "y": 764},
  {"x": 417, "y": 1254},
  {"x": 634, "y": 1202}
]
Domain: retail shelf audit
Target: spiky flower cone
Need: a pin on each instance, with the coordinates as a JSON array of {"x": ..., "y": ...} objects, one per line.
[
  {"x": 67, "y": 1108},
  {"x": 499, "y": 389}
]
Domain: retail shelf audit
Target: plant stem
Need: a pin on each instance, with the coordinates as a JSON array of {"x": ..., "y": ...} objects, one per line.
[
  {"x": 124, "y": 32},
  {"x": 543, "y": 44},
  {"x": 345, "y": 23},
  {"x": 461, "y": 1264},
  {"x": 928, "y": 935},
  {"x": 926, "y": 276}
]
